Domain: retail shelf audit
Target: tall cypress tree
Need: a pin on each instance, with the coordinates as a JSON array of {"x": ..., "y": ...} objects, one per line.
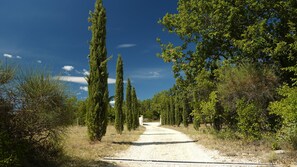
[
  {"x": 135, "y": 114},
  {"x": 185, "y": 112},
  {"x": 119, "y": 97},
  {"x": 129, "y": 106},
  {"x": 97, "y": 80},
  {"x": 177, "y": 112}
]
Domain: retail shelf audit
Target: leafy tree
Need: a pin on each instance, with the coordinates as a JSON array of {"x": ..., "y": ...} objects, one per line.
[
  {"x": 129, "y": 106},
  {"x": 261, "y": 31},
  {"x": 97, "y": 80},
  {"x": 119, "y": 97}
]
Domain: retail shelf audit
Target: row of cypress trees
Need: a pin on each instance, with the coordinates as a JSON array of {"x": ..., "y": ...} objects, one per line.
[
  {"x": 98, "y": 102},
  {"x": 132, "y": 112}
]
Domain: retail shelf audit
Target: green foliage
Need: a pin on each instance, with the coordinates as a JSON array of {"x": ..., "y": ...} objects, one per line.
[
  {"x": 119, "y": 97},
  {"x": 186, "y": 112},
  {"x": 249, "y": 119},
  {"x": 33, "y": 113},
  {"x": 261, "y": 31},
  {"x": 148, "y": 111},
  {"x": 208, "y": 108},
  {"x": 129, "y": 105},
  {"x": 135, "y": 110},
  {"x": 252, "y": 83},
  {"x": 81, "y": 113},
  {"x": 242, "y": 50},
  {"x": 97, "y": 107},
  {"x": 177, "y": 112},
  {"x": 286, "y": 108}
]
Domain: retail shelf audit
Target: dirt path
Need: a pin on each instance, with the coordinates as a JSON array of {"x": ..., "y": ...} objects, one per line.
[{"x": 159, "y": 146}]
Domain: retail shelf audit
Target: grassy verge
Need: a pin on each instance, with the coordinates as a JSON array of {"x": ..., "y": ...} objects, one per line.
[
  {"x": 80, "y": 152},
  {"x": 229, "y": 145}
]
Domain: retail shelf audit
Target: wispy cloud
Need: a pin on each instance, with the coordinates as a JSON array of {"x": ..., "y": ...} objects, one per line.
[
  {"x": 84, "y": 88},
  {"x": 19, "y": 57},
  {"x": 7, "y": 55},
  {"x": 86, "y": 72},
  {"x": 68, "y": 68},
  {"x": 39, "y": 61},
  {"x": 80, "y": 80},
  {"x": 148, "y": 74},
  {"x": 126, "y": 45}
]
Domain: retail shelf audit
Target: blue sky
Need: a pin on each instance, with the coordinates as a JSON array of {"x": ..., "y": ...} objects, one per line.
[{"x": 54, "y": 35}]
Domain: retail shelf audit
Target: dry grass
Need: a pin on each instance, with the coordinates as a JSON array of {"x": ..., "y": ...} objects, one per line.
[
  {"x": 232, "y": 146},
  {"x": 80, "y": 151}
]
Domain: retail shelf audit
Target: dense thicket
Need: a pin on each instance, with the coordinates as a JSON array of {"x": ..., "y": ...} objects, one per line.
[
  {"x": 232, "y": 57},
  {"x": 97, "y": 107}
]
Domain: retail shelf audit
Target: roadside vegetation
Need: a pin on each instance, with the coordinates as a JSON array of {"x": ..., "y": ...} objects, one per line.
[{"x": 235, "y": 70}]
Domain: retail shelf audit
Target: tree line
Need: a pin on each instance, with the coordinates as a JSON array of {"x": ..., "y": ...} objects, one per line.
[{"x": 235, "y": 67}]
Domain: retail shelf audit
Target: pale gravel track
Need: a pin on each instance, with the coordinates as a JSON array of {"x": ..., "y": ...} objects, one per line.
[{"x": 162, "y": 147}]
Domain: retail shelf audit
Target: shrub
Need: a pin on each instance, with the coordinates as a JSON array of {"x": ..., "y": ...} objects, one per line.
[
  {"x": 33, "y": 114},
  {"x": 245, "y": 91},
  {"x": 286, "y": 108}
]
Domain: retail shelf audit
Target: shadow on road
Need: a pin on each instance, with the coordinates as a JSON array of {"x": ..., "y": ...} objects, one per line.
[
  {"x": 148, "y": 134},
  {"x": 153, "y": 143}
]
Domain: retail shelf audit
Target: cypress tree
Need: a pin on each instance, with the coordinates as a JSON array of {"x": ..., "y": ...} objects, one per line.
[
  {"x": 185, "y": 112},
  {"x": 177, "y": 112},
  {"x": 119, "y": 97},
  {"x": 97, "y": 80},
  {"x": 135, "y": 115},
  {"x": 128, "y": 106},
  {"x": 172, "y": 111}
]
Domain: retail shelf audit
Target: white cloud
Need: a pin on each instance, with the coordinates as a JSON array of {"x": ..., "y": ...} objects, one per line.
[
  {"x": 111, "y": 81},
  {"x": 147, "y": 75},
  {"x": 127, "y": 45},
  {"x": 86, "y": 72},
  {"x": 85, "y": 88},
  {"x": 19, "y": 57},
  {"x": 39, "y": 61},
  {"x": 68, "y": 68},
  {"x": 112, "y": 103},
  {"x": 80, "y": 80},
  {"x": 7, "y": 55}
]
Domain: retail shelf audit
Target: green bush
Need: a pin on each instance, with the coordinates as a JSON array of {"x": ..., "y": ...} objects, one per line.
[
  {"x": 244, "y": 91},
  {"x": 249, "y": 119},
  {"x": 286, "y": 108},
  {"x": 33, "y": 113}
]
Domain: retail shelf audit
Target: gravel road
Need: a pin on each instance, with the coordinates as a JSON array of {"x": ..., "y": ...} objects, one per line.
[{"x": 164, "y": 147}]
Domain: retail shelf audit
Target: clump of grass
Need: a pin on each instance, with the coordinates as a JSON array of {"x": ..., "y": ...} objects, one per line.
[{"x": 79, "y": 151}]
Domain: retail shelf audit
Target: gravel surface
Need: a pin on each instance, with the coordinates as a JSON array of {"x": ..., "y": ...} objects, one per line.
[{"x": 164, "y": 147}]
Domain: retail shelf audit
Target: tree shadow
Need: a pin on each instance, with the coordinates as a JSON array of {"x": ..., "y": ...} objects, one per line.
[
  {"x": 77, "y": 162},
  {"x": 158, "y": 134},
  {"x": 154, "y": 143}
]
